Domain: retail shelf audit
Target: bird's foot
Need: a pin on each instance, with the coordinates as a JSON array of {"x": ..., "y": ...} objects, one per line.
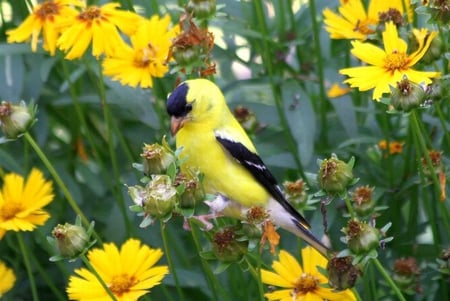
[{"x": 203, "y": 220}]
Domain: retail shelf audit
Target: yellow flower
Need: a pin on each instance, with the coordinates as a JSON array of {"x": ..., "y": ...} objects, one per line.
[
  {"x": 46, "y": 17},
  {"x": 7, "y": 279},
  {"x": 389, "y": 65},
  {"x": 353, "y": 21},
  {"x": 147, "y": 58},
  {"x": 98, "y": 25},
  {"x": 129, "y": 273},
  {"x": 301, "y": 283},
  {"x": 21, "y": 203},
  {"x": 395, "y": 147},
  {"x": 337, "y": 91}
]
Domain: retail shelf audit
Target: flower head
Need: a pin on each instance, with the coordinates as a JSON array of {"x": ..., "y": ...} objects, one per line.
[
  {"x": 390, "y": 65},
  {"x": 47, "y": 18},
  {"x": 129, "y": 272},
  {"x": 136, "y": 65},
  {"x": 21, "y": 202},
  {"x": 355, "y": 23},
  {"x": 98, "y": 25},
  {"x": 301, "y": 283},
  {"x": 8, "y": 278},
  {"x": 16, "y": 119}
]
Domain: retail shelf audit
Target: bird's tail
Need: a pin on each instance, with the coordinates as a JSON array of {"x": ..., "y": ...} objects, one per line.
[{"x": 282, "y": 218}]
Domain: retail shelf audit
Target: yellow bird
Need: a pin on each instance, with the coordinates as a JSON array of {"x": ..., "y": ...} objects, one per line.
[{"x": 214, "y": 142}]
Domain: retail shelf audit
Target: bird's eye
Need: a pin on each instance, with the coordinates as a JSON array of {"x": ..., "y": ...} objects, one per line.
[{"x": 188, "y": 107}]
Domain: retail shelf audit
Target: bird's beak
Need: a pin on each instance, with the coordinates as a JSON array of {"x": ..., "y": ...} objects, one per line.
[{"x": 176, "y": 123}]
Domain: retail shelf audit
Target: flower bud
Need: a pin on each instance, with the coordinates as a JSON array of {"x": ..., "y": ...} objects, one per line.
[
  {"x": 436, "y": 162},
  {"x": 361, "y": 237},
  {"x": 71, "y": 240},
  {"x": 16, "y": 119},
  {"x": 435, "y": 51},
  {"x": 157, "y": 158},
  {"x": 158, "y": 198},
  {"x": 226, "y": 247},
  {"x": 334, "y": 175},
  {"x": 363, "y": 202},
  {"x": 192, "y": 192},
  {"x": 202, "y": 9},
  {"x": 407, "y": 95},
  {"x": 406, "y": 273},
  {"x": 342, "y": 274},
  {"x": 186, "y": 56},
  {"x": 246, "y": 118},
  {"x": 296, "y": 192}
]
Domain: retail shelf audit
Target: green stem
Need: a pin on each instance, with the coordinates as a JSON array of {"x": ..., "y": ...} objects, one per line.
[
  {"x": 172, "y": 268},
  {"x": 26, "y": 260},
  {"x": 267, "y": 58},
  {"x": 320, "y": 66},
  {"x": 59, "y": 182},
  {"x": 50, "y": 282},
  {"x": 112, "y": 153},
  {"x": 388, "y": 279},
  {"x": 97, "y": 275},
  {"x": 213, "y": 284},
  {"x": 257, "y": 275},
  {"x": 349, "y": 206}
]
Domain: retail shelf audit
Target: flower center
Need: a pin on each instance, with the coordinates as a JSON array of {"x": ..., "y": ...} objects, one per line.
[
  {"x": 305, "y": 283},
  {"x": 47, "y": 10},
  {"x": 9, "y": 210},
  {"x": 121, "y": 284},
  {"x": 396, "y": 61},
  {"x": 146, "y": 56},
  {"x": 90, "y": 14}
]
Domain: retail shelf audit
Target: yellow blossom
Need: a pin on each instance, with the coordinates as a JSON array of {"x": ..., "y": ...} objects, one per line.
[
  {"x": 355, "y": 23},
  {"x": 47, "y": 18},
  {"x": 301, "y": 283},
  {"x": 7, "y": 279},
  {"x": 99, "y": 25},
  {"x": 129, "y": 273},
  {"x": 390, "y": 65},
  {"x": 148, "y": 56},
  {"x": 395, "y": 147},
  {"x": 21, "y": 202},
  {"x": 337, "y": 91}
]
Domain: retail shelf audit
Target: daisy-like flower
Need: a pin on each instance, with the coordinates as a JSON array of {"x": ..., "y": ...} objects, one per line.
[
  {"x": 301, "y": 283},
  {"x": 129, "y": 273},
  {"x": 46, "y": 17},
  {"x": 8, "y": 278},
  {"x": 390, "y": 65},
  {"x": 354, "y": 22},
  {"x": 148, "y": 56},
  {"x": 99, "y": 25},
  {"x": 21, "y": 202}
]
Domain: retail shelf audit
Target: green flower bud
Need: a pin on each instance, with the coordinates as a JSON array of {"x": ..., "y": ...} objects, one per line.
[
  {"x": 361, "y": 237},
  {"x": 296, "y": 192},
  {"x": 363, "y": 202},
  {"x": 158, "y": 198},
  {"x": 246, "y": 118},
  {"x": 71, "y": 240},
  {"x": 226, "y": 247},
  {"x": 186, "y": 56},
  {"x": 192, "y": 191},
  {"x": 157, "y": 158},
  {"x": 202, "y": 9},
  {"x": 407, "y": 95},
  {"x": 434, "y": 52},
  {"x": 342, "y": 274},
  {"x": 16, "y": 119},
  {"x": 406, "y": 273},
  {"x": 334, "y": 175}
]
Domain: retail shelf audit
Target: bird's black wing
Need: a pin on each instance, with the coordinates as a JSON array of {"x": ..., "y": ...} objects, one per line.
[{"x": 253, "y": 163}]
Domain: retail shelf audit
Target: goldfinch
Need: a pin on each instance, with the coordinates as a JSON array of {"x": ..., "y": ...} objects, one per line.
[{"x": 214, "y": 142}]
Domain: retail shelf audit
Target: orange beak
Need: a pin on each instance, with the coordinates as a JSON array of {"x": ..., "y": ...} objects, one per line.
[{"x": 176, "y": 123}]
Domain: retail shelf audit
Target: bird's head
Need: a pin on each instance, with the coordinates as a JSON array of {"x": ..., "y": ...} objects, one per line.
[{"x": 197, "y": 101}]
